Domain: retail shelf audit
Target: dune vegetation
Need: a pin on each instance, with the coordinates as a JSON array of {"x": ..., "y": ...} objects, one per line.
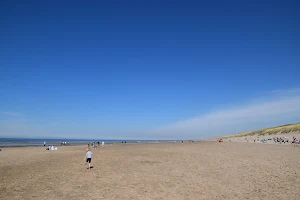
[{"x": 287, "y": 128}]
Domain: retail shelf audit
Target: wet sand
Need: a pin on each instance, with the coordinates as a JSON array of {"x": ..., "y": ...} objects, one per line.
[{"x": 202, "y": 170}]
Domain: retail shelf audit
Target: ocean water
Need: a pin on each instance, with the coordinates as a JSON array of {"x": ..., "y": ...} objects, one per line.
[{"x": 22, "y": 142}]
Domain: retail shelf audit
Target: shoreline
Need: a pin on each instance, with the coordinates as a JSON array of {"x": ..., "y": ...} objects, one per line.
[{"x": 55, "y": 144}]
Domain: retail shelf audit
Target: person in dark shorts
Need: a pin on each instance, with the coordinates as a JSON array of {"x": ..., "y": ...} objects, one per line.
[
  {"x": 88, "y": 157},
  {"x": 89, "y": 160}
]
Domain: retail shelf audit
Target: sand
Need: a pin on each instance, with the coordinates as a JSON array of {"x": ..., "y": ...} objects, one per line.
[{"x": 202, "y": 170}]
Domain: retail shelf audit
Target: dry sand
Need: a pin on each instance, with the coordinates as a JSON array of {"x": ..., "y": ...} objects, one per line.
[{"x": 204, "y": 170}]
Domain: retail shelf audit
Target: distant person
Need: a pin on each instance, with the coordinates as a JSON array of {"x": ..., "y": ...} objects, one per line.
[
  {"x": 265, "y": 140},
  {"x": 296, "y": 142},
  {"x": 44, "y": 143},
  {"x": 182, "y": 141},
  {"x": 94, "y": 145},
  {"x": 88, "y": 158}
]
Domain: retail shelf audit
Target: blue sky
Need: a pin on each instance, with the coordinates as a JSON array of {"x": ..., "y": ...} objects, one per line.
[{"x": 147, "y": 70}]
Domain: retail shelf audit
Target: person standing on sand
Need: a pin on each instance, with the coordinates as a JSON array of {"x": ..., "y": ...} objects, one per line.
[{"x": 88, "y": 157}]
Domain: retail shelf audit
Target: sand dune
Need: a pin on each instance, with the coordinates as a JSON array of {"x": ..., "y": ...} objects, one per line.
[
  {"x": 205, "y": 170},
  {"x": 279, "y": 131}
]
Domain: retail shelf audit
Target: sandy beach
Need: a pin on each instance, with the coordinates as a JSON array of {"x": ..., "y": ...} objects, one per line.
[{"x": 200, "y": 170}]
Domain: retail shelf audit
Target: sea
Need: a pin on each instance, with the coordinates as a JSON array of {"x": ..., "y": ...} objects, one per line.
[{"x": 30, "y": 142}]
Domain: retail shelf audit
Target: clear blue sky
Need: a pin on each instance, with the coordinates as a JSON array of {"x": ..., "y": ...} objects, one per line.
[{"x": 125, "y": 69}]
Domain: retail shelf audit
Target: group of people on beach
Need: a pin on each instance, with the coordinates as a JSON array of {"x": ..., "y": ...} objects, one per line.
[
  {"x": 51, "y": 147},
  {"x": 276, "y": 140},
  {"x": 93, "y": 144},
  {"x": 63, "y": 144},
  {"x": 281, "y": 140}
]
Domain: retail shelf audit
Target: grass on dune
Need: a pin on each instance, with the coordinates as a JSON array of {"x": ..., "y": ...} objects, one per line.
[{"x": 270, "y": 131}]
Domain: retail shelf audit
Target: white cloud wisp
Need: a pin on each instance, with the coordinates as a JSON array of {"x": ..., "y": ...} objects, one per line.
[{"x": 276, "y": 111}]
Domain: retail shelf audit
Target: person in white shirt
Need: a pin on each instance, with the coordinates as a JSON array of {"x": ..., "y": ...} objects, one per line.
[{"x": 88, "y": 157}]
